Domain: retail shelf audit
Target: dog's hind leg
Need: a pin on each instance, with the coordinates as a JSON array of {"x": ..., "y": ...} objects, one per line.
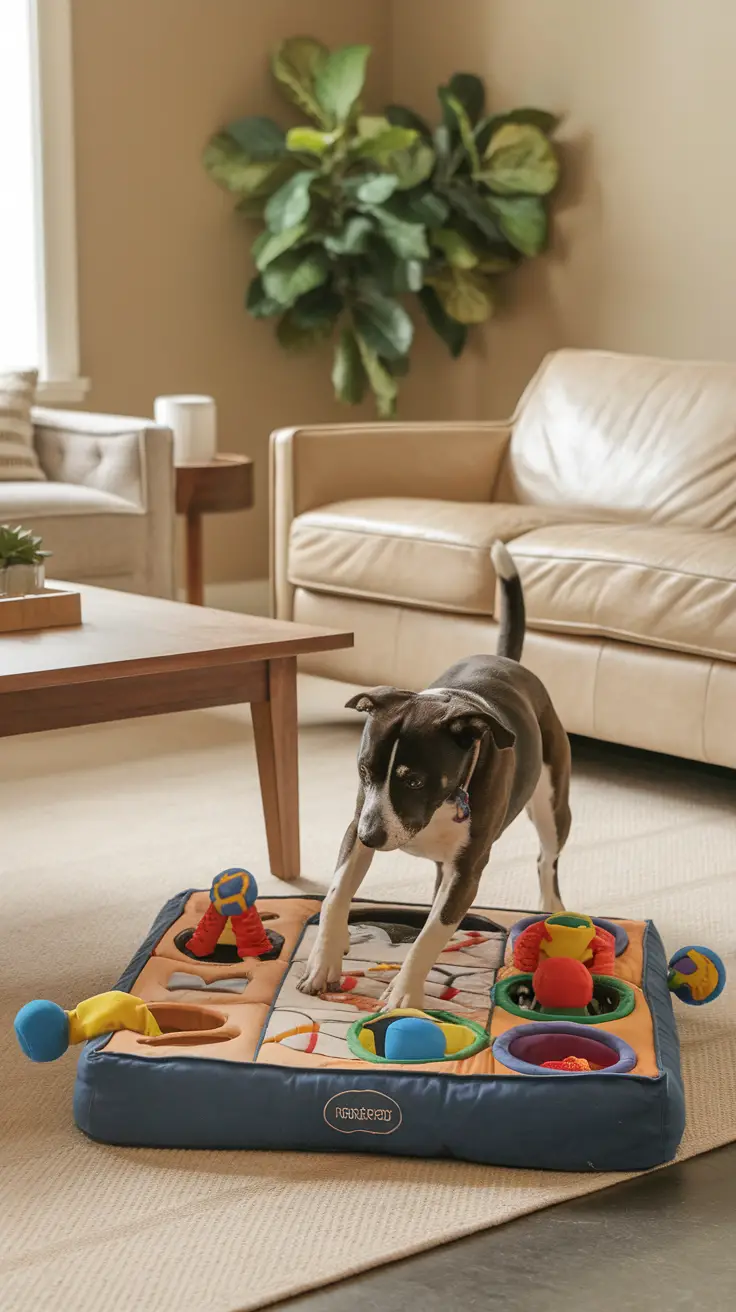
[
  {"x": 324, "y": 966},
  {"x": 549, "y": 808}
]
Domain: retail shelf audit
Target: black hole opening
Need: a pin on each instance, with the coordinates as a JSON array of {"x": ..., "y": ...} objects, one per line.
[
  {"x": 416, "y": 919},
  {"x": 606, "y": 998},
  {"x": 226, "y": 954}
]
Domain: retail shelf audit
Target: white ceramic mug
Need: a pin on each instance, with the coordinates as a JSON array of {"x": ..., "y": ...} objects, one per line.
[{"x": 193, "y": 421}]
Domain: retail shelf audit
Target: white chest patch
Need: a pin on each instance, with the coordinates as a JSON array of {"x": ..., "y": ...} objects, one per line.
[{"x": 443, "y": 838}]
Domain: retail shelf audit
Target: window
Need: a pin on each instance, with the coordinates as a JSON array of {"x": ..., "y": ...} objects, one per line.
[{"x": 38, "y": 266}]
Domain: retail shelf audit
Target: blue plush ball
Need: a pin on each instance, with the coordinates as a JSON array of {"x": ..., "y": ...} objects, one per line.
[
  {"x": 233, "y": 891},
  {"x": 410, "y": 1038},
  {"x": 42, "y": 1030}
]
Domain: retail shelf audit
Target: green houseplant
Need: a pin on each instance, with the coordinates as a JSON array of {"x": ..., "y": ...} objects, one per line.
[
  {"x": 361, "y": 212},
  {"x": 22, "y": 569}
]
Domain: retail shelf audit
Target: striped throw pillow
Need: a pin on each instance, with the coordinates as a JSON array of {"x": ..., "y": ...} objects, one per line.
[{"x": 18, "y": 460}]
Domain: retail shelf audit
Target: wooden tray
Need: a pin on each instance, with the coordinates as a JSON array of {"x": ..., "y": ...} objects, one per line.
[{"x": 51, "y": 609}]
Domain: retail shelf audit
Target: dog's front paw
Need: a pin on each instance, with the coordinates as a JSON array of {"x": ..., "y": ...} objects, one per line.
[
  {"x": 323, "y": 971},
  {"x": 403, "y": 993}
]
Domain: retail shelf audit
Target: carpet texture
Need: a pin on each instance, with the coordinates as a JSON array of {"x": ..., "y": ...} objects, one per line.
[{"x": 103, "y": 824}]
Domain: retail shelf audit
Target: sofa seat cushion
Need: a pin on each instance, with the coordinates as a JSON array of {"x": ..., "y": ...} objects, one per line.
[
  {"x": 32, "y": 499},
  {"x": 92, "y": 535},
  {"x": 417, "y": 552},
  {"x": 673, "y": 588}
]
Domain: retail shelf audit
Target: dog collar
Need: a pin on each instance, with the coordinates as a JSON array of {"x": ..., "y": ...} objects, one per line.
[{"x": 462, "y": 806}]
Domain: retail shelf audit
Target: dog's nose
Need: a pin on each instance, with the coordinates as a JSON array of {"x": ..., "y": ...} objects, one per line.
[{"x": 373, "y": 836}]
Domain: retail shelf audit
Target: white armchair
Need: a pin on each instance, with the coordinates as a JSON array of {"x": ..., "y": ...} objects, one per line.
[{"x": 106, "y": 508}]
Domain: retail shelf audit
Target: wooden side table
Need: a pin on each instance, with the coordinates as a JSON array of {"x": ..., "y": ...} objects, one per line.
[{"x": 208, "y": 488}]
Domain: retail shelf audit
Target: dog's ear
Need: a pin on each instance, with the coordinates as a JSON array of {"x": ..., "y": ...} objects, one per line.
[
  {"x": 378, "y": 700},
  {"x": 467, "y": 727}
]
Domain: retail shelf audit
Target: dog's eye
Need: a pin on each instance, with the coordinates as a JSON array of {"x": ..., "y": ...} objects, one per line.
[{"x": 414, "y": 781}]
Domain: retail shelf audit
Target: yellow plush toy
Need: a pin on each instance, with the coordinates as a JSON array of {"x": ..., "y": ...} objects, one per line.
[{"x": 44, "y": 1030}]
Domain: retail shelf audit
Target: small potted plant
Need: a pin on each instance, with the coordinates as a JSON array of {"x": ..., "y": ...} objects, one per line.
[{"x": 22, "y": 568}]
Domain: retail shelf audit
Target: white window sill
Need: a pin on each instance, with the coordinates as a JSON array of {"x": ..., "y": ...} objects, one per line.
[{"x": 62, "y": 391}]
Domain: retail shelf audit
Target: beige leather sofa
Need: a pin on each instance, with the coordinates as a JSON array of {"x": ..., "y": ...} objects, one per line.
[
  {"x": 106, "y": 508},
  {"x": 614, "y": 486}
]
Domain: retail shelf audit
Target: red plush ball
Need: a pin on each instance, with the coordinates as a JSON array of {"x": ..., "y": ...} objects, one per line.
[{"x": 561, "y": 982}]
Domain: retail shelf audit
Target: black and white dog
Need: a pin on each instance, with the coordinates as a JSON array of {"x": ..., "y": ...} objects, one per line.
[{"x": 442, "y": 773}]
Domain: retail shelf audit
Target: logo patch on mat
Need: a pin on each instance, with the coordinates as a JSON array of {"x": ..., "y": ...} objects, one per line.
[{"x": 362, "y": 1110}]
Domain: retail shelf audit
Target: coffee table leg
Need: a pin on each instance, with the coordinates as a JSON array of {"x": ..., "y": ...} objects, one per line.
[
  {"x": 275, "y": 730},
  {"x": 195, "y": 588}
]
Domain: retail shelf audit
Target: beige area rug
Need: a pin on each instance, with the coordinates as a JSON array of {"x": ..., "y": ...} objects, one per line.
[{"x": 100, "y": 826}]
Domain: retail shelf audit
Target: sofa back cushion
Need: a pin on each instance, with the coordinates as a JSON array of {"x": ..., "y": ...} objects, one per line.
[{"x": 643, "y": 438}]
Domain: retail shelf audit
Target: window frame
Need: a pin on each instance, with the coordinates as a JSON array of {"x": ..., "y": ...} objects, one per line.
[{"x": 55, "y": 202}]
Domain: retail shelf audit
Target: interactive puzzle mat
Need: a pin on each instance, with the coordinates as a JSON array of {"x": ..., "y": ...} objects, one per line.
[{"x": 544, "y": 1044}]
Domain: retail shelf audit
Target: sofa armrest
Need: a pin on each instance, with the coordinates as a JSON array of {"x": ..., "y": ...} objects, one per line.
[
  {"x": 315, "y": 466},
  {"x": 128, "y": 458}
]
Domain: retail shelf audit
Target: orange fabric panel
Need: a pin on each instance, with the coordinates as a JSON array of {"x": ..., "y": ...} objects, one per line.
[
  {"x": 264, "y": 978},
  {"x": 247, "y": 1021},
  {"x": 635, "y": 1029},
  {"x": 290, "y": 917}
]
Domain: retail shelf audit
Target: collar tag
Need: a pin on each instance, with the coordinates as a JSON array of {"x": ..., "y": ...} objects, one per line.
[{"x": 462, "y": 806}]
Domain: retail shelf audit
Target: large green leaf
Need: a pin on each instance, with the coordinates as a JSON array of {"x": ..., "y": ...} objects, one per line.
[
  {"x": 408, "y": 276},
  {"x": 290, "y": 204},
  {"x": 457, "y": 119},
  {"x": 294, "y": 335},
  {"x": 408, "y": 240},
  {"x": 258, "y": 303},
  {"x": 470, "y": 92},
  {"x": 384, "y": 324},
  {"x": 371, "y": 125},
  {"x": 467, "y": 201},
  {"x": 339, "y": 81},
  {"x": 453, "y": 334},
  {"x": 353, "y": 239},
  {"x": 456, "y": 249},
  {"x": 412, "y": 166},
  {"x": 402, "y": 117},
  {"x": 384, "y": 387},
  {"x": 295, "y": 65},
  {"x": 293, "y": 274},
  {"x": 371, "y": 188},
  {"x": 310, "y": 141},
  {"x": 463, "y": 295},
  {"x": 391, "y": 275},
  {"x": 523, "y": 220},
  {"x": 228, "y": 164},
  {"x": 349, "y": 378},
  {"x": 269, "y": 245},
  {"x": 259, "y": 137},
  {"x": 378, "y": 140},
  {"x": 421, "y": 206},
  {"x": 318, "y": 309},
  {"x": 536, "y": 118},
  {"x": 519, "y": 160}
]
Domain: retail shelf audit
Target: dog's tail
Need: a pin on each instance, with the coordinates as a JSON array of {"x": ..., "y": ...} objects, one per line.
[{"x": 513, "y": 612}]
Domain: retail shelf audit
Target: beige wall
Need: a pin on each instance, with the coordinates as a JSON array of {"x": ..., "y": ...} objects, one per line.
[
  {"x": 645, "y": 238},
  {"x": 645, "y": 245},
  {"x": 163, "y": 262}
]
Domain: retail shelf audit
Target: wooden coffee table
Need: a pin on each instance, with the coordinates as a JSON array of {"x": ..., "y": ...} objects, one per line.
[{"x": 135, "y": 656}]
